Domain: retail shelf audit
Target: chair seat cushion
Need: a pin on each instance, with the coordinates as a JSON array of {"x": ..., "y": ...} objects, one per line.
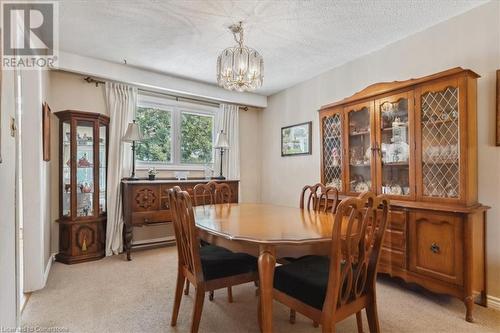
[
  {"x": 305, "y": 279},
  {"x": 218, "y": 262}
]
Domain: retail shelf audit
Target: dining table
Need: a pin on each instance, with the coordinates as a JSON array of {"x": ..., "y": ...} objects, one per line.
[{"x": 269, "y": 232}]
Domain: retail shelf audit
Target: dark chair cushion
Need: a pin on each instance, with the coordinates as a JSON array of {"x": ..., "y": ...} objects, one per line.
[
  {"x": 305, "y": 279},
  {"x": 218, "y": 262}
]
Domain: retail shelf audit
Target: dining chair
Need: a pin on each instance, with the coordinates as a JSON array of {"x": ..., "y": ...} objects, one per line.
[
  {"x": 329, "y": 289},
  {"x": 319, "y": 197},
  {"x": 207, "y": 267},
  {"x": 211, "y": 193}
]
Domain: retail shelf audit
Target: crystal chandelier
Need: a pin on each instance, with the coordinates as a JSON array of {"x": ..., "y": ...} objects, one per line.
[{"x": 240, "y": 68}]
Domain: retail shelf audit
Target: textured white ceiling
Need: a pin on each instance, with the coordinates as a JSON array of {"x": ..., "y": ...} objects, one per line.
[{"x": 298, "y": 39}]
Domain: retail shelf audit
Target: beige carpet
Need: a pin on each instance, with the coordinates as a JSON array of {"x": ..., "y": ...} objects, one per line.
[{"x": 112, "y": 295}]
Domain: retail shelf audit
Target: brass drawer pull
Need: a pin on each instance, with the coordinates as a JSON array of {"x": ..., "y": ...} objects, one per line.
[
  {"x": 435, "y": 248},
  {"x": 146, "y": 220}
]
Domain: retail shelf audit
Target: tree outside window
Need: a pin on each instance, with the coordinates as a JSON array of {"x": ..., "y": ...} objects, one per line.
[
  {"x": 173, "y": 136},
  {"x": 196, "y": 138},
  {"x": 156, "y": 126}
]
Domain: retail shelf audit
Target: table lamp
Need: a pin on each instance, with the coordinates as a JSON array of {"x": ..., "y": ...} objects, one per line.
[
  {"x": 221, "y": 144},
  {"x": 133, "y": 134}
]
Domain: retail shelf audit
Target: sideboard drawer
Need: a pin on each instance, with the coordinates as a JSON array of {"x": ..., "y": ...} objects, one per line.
[
  {"x": 397, "y": 220},
  {"x": 145, "y": 198},
  {"x": 393, "y": 258},
  {"x": 394, "y": 239},
  {"x": 436, "y": 245},
  {"x": 141, "y": 218}
]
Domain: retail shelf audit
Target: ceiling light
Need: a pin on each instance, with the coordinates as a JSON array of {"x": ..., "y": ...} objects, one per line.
[{"x": 240, "y": 68}]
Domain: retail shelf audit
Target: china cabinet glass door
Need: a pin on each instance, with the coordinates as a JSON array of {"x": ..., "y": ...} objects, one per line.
[
  {"x": 394, "y": 117},
  {"x": 440, "y": 134},
  {"x": 332, "y": 150},
  {"x": 103, "y": 154},
  {"x": 66, "y": 169},
  {"x": 85, "y": 168},
  {"x": 359, "y": 138}
]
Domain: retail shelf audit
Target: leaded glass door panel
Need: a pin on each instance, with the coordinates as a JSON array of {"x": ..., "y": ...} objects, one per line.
[
  {"x": 332, "y": 127},
  {"x": 395, "y": 145},
  {"x": 438, "y": 127}
]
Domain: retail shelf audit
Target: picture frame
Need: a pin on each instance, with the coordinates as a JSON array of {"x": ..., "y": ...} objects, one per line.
[
  {"x": 46, "y": 112},
  {"x": 498, "y": 108},
  {"x": 296, "y": 139}
]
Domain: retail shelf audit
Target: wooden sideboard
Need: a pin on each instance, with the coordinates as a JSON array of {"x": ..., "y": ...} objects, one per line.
[
  {"x": 416, "y": 142},
  {"x": 145, "y": 202}
]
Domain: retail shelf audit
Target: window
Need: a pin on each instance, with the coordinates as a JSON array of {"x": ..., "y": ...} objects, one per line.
[
  {"x": 197, "y": 131},
  {"x": 156, "y": 126},
  {"x": 176, "y": 134}
]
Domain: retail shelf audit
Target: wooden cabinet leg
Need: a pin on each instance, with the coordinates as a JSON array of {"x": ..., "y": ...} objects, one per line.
[
  {"x": 127, "y": 239},
  {"x": 186, "y": 290},
  {"x": 292, "y": 316},
  {"x": 267, "y": 262},
  {"x": 469, "y": 305}
]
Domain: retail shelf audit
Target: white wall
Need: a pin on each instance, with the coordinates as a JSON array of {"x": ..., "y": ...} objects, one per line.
[
  {"x": 36, "y": 182},
  {"x": 7, "y": 206},
  {"x": 68, "y": 91},
  {"x": 471, "y": 40}
]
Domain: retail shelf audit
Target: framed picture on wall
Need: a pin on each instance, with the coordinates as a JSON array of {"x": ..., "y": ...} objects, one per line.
[
  {"x": 498, "y": 107},
  {"x": 46, "y": 131},
  {"x": 296, "y": 139}
]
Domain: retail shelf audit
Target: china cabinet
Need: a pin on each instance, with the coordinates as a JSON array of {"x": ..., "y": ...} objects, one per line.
[
  {"x": 83, "y": 150},
  {"x": 416, "y": 141}
]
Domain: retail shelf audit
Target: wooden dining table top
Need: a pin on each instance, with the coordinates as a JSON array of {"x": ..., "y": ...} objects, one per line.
[{"x": 264, "y": 223}]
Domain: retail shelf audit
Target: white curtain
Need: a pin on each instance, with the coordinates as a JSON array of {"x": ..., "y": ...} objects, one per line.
[
  {"x": 228, "y": 121},
  {"x": 121, "y": 101}
]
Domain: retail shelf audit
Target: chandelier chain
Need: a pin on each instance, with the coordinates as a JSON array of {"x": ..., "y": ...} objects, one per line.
[{"x": 237, "y": 30}]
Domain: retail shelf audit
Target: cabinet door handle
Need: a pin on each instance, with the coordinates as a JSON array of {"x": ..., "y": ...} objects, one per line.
[
  {"x": 146, "y": 220},
  {"x": 435, "y": 248}
]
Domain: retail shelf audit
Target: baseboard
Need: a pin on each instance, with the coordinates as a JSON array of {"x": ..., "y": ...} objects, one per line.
[
  {"x": 47, "y": 269},
  {"x": 145, "y": 242},
  {"x": 493, "y": 302}
]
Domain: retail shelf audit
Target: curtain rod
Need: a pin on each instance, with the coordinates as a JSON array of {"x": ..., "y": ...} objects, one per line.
[{"x": 176, "y": 97}]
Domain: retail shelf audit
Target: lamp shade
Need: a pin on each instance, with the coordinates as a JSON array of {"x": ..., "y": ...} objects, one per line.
[
  {"x": 133, "y": 133},
  {"x": 221, "y": 141}
]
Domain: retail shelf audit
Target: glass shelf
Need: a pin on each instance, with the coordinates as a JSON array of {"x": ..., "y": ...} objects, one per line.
[
  {"x": 395, "y": 147},
  {"x": 360, "y": 150}
]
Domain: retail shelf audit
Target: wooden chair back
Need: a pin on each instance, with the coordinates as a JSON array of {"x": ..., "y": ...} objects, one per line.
[
  {"x": 188, "y": 243},
  {"x": 211, "y": 193},
  {"x": 357, "y": 236},
  {"x": 319, "y": 197}
]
